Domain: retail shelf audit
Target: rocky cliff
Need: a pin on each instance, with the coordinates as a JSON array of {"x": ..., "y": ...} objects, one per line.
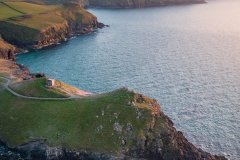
[
  {"x": 155, "y": 139},
  {"x": 40, "y": 30},
  {"x": 76, "y": 21},
  {"x": 7, "y": 51},
  {"x": 160, "y": 140},
  {"x": 138, "y": 3}
]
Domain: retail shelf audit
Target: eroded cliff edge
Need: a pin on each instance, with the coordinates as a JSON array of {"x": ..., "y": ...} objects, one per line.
[
  {"x": 35, "y": 31},
  {"x": 7, "y": 51},
  {"x": 121, "y": 124}
]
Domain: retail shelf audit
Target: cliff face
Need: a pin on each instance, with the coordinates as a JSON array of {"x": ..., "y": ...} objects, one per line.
[
  {"x": 51, "y": 35},
  {"x": 7, "y": 51},
  {"x": 76, "y": 22},
  {"x": 160, "y": 140},
  {"x": 157, "y": 140},
  {"x": 138, "y": 3},
  {"x": 41, "y": 30}
]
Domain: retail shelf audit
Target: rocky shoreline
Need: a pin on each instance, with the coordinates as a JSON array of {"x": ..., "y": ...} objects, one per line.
[
  {"x": 73, "y": 21},
  {"x": 50, "y": 36},
  {"x": 53, "y": 35}
]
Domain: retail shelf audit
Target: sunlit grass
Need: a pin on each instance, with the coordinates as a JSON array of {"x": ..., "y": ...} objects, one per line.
[
  {"x": 6, "y": 12},
  {"x": 36, "y": 88},
  {"x": 71, "y": 123}
]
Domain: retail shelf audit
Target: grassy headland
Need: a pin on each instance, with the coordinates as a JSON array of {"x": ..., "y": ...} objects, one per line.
[
  {"x": 86, "y": 123},
  {"x": 121, "y": 123},
  {"x": 83, "y": 123},
  {"x": 31, "y": 25}
]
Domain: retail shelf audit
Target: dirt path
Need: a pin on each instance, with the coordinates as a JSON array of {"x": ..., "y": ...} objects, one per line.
[{"x": 6, "y": 86}]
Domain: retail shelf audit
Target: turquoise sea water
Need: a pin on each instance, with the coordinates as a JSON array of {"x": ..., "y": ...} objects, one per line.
[{"x": 187, "y": 57}]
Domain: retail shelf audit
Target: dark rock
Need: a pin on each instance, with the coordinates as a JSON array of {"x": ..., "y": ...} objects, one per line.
[
  {"x": 7, "y": 153},
  {"x": 38, "y": 75},
  {"x": 39, "y": 150},
  {"x": 101, "y": 25}
]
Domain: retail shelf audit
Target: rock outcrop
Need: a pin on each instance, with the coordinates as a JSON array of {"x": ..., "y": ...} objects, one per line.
[
  {"x": 7, "y": 51},
  {"x": 160, "y": 140}
]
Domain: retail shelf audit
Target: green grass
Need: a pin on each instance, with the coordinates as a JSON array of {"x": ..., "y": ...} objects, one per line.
[
  {"x": 36, "y": 88},
  {"x": 2, "y": 80},
  {"x": 24, "y": 30},
  {"x": 18, "y": 34},
  {"x": 71, "y": 123},
  {"x": 77, "y": 14},
  {"x": 30, "y": 8},
  {"x": 6, "y": 12},
  {"x": 39, "y": 21}
]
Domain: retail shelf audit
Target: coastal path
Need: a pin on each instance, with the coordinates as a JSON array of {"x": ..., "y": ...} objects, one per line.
[{"x": 6, "y": 86}]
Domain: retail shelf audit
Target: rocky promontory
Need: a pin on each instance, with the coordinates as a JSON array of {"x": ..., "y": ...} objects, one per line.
[
  {"x": 117, "y": 125},
  {"x": 156, "y": 140},
  {"x": 38, "y": 30}
]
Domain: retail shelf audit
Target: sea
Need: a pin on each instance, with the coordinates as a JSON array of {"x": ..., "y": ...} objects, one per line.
[{"x": 186, "y": 56}]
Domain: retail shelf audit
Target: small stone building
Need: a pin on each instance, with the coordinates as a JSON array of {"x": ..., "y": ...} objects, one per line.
[{"x": 50, "y": 82}]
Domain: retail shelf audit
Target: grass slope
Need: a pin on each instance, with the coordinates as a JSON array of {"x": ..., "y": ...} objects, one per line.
[
  {"x": 30, "y": 8},
  {"x": 36, "y": 88},
  {"x": 86, "y": 123},
  {"x": 38, "y": 21},
  {"x": 6, "y": 12},
  {"x": 16, "y": 33},
  {"x": 21, "y": 22}
]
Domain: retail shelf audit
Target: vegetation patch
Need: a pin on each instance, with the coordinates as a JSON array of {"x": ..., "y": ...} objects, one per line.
[
  {"x": 25, "y": 24},
  {"x": 2, "y": 80},
  {"x": 37, "y": 88},
  {"x": 17, "y": 34},
  {"x": 77, "y": 14},
  {"x": 95, "y": 123},
  {"x": 6, "y": 12},
  {"x": 30, "y": 8}
]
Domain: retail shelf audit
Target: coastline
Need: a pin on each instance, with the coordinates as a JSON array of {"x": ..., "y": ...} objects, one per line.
[
  {"x": 38, "y": 146},
  {"x": 145, "y": 6},
  {"x": 158, "y": 137}
]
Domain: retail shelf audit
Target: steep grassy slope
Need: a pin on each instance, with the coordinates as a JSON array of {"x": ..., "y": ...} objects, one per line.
[
  {"x": 30, "y": 8},
  {"x": 38, "y": 25},
  {"x": 6, "y": 12}
]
